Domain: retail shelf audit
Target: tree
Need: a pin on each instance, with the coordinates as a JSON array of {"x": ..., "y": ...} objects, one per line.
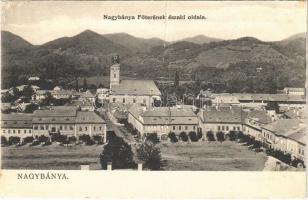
[
  {"x": 220, "y": 136},
  {"x": 150, "y": 155},
  {"x": 85, "y": 84},
  {"x": 4, "y": 141},
  {"x": 31, "y": 108},
  {"x": 183, "y": 136},
  {"x": 118, "y": 152},
  {"x": 272, "y": 106},
  {"x": 28, "y": 91},
  {"x": 210, "y": 136},
  {"x": 176, "y": 79},
  {"x": 172, "y": 137},
  {"x": 232, "y": 135},
  {"x": 152, "y": 137},
  {"x": 193, "y": 136}
]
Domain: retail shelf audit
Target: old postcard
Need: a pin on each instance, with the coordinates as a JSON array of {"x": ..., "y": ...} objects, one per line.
[{"x": 156, "y": 99}]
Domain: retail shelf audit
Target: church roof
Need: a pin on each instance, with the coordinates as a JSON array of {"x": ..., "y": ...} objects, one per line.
[{"x": 135, "y": 87}]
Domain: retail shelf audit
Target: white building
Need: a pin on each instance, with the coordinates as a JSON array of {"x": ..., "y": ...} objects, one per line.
[
  {"x": 131, "y": 91},
  {"x": 163, "y": 120}
]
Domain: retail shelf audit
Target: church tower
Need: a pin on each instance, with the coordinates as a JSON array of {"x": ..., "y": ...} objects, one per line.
[{"x": 115, "y": 71}]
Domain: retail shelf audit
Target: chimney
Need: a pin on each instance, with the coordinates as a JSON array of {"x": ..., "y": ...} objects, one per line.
[{"x": 109, "y": 166}]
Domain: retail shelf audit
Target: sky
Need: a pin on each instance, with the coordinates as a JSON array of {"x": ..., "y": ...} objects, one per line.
[{"x": 39, "y": 22}]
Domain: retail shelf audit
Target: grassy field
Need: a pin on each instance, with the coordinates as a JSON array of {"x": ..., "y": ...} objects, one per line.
[
  {"x": 51, "y": 157},
  {"x": 180, "y": 156},
  {"x": 214, "y": 156}
]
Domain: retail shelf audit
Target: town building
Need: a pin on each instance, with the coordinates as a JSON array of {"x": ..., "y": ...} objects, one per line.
[
  {"x": 16, "y": 125},
  {"x": 276, "y": 134},
  {"x": 254, "y": 121},
  {"x": 163, "y": 120},
  {"x": 102, "y": 94},
  {"x": 68, "y": 121},
  {"x": 221, "y": 119},
  {"x": 294, "y": 91},
  {"x": 131, "y": 91}
]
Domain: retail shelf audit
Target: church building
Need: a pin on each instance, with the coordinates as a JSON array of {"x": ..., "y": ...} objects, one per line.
[{"x": 131, "y": 91}]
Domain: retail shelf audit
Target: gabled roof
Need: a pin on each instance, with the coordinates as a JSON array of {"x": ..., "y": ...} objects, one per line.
[
  {"x": 136, "y": 87},
  {"x": 260, "y": 116},
  {"x": 89, "y": 117},
  {"x": 229, "y": 114},
  {"x": 55, "y": 113},
  {"x": 300, "y": 135},
  {"x": 284, "y": 127},
  {"x": 16, "y": 120},
  {"x": 164, "y": 115}
]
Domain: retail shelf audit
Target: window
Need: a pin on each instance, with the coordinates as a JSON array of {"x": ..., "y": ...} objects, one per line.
[
  {"x": 13, "y": 131},
  {"x": 29, "y": 131},
  {"x": 25, "y": 131},
  {"x": 80, "y": 128},
  {"x": 18, "y": 131},
  {"x": 61, "y": 127},
  {"x": 42, "y": 127},
  {"x": 47, "y": 127},
  {"x": 123, "y": 100},
  {"x": 134, "y": 100},
  {"x": 9, "y": 131},
  {"x": 223, "y": 128},
  {"x": 100, "y": 128},
  {"x": 180, "y": 127},
  {"x": 194, "y": 127},
  {"x": 3, "y": 131},
  {"x": 227, "y": 128},
  {"x": 71, "y": 128},
  {"x": 114, "y": 75},
  {"x": 173, "y": 127},
  {"x": 218, "y": 128},
  {"x": 238, "y": 128},
  {"x": 144, "y": 101},
  {"x": 113, "y": 100},
  {"x": 186, "y": 127},
  {"x": 94, "y": 128},
  {"x": 86, "y": 128}
]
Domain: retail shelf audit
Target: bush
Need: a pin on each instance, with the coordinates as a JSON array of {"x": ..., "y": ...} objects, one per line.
[
  {"x": 220, "y": 136},
  {"x": 183, "y": 136},
  {"x": 232, "y": 136},
  {"x": 152, "y": 137},
  {"x": 35, "y": 142},
  {"x": 280, "y": 155},
  {"x": 4, "y": 141},
  {"x": 71, "y": 139},
  {"x": 172, "y": 137},
  {"x": 193, "y": 136},
  {"x": 13, "y": 140},
  {"x": 42, "y": 138},
  {"x": 295, "y": 162},
  {"x": 150, "y": 155},
  {"x": 118, "y": 152},
  {"x": 57, "y": 137},
  {"x": 210, "y": 136},
  {"x": 28, "y": 139},
  {"x": 98, "y": 139}
]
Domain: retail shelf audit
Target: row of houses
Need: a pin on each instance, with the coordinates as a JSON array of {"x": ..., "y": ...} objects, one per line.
[
  {"x": 276, "y": 132},
  {"x": 65, "y": 120}
]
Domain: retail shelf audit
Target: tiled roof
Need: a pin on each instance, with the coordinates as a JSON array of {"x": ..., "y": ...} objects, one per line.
[
  {"x": 136, "y": 87},
  {"x": 230, "y": 114},
  {"x": 300, "y": 135},
  {"x": 16, "y": 120},
  {"x": 264, "y": 97},
  {"x": 260, "y": 116},
  {"x": 89, "y": 117},
  {"x": 55, "y": 113},
  {"x": 164, "y": 115},
  {"x": 284, "y": 127}
]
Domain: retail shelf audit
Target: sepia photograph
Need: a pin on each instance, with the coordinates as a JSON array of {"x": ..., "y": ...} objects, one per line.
[
  {"x": 76, "y": 95},
  {"x": 212, "y": 86}
]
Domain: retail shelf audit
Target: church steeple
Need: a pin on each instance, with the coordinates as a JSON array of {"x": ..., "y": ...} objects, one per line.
[{"x": 115, "y": 71}]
